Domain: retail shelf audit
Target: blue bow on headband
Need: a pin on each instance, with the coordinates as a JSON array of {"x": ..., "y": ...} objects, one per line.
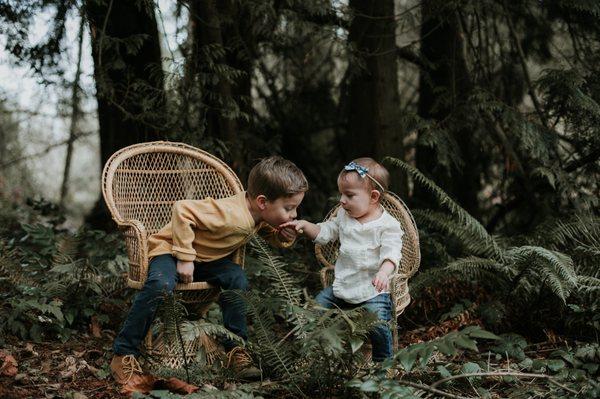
[{"x": 361, "y": 170}]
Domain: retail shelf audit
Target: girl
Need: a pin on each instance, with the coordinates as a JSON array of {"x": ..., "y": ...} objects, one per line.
[{"x": 370, "y": 247}]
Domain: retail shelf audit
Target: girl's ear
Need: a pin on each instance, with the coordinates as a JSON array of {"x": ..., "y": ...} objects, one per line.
[
  {"x": 261, "y": 201},
  {"x": 375, "y": 196}
]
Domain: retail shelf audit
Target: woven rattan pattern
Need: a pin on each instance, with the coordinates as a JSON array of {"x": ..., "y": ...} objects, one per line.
[{"x": 141, "y": 182}]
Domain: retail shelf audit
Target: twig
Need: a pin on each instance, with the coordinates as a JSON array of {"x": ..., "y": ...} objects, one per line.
[
  {"x": 44, "y": 151},
  {"x": 505, "y": 373},
  {"x": 430, "y": 389},
  {"x": 505, "y": 142},
  {"x": 513, "y": 35},
  {"x": 103, "y": 32}
]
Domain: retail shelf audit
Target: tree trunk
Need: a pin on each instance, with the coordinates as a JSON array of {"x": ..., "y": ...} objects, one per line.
[
  {"x": 442, "y": 45},
  {"x": 373, "y": 101},
  {"x": 129, "y": 80},
  {"x": 224, "y": 24},
  {"x": 75, "y": 113}
]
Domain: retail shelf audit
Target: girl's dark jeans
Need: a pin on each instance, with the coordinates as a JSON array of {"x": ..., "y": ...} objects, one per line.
[{"x": 381, "y": 305}]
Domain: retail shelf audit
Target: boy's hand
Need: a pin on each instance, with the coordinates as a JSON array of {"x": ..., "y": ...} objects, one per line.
[
  {"x": 381, "y": 281},
  {"x": 288, "y": 233},
  {"x": 185, "y": 270}
]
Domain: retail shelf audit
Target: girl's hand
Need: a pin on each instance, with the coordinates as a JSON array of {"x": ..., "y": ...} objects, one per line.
[
  {"x": 307, "y": 228},
  {"x": 185, "y": 270},
  {"x": 381, "y": 281},
  {"x": 296, "y": 225}
]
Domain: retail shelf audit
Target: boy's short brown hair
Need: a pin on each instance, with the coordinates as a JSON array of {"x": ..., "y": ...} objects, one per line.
[
  {"x": 276, "y": 177},
  {"x": 376, "y": 170}
]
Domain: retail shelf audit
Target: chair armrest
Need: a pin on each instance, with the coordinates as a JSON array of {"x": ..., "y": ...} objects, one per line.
[
  {"x": 137, "y": 251},
  {"x": 399, "y": 292},
  {"x": 326, "y": 274}
]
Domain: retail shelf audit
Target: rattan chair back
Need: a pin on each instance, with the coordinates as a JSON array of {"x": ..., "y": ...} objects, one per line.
[{"x": 141, "y": 182}]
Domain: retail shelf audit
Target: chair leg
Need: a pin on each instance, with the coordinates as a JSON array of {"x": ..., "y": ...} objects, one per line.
[
  {"x": 148, "y": 341},
  {"x": 395, "y": 332}
]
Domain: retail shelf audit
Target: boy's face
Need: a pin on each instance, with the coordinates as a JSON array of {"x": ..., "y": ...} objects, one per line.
[
  {"x": 281, "y": 210},
  {"x": 356, "y": 196}
]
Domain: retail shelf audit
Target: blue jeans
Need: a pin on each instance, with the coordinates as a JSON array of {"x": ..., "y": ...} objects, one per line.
[
  {"x": 381, "y": 305},
  {"x": 162, "y": 277}
]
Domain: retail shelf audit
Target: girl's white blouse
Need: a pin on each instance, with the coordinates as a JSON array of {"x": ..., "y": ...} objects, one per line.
[{"x": 363, "y": 248}]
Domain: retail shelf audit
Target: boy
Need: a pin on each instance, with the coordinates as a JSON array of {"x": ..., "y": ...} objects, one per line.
[{"x": 195, "y": 246}]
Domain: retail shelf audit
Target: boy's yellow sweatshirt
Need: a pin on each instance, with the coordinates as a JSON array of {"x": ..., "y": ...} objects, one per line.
[{"x": 209, "y": 229}]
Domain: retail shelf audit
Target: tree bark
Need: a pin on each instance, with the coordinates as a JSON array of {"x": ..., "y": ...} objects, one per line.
[
  {"x": 224, "y": 24},
  {"x": 373, "y": 127},
  {"x": 129, "y": 80},
  {"x": 75, "y": 113},
  {"x": 442, "y": 44}
]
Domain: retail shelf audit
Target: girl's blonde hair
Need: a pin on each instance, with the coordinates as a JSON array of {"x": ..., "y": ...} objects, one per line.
[{"x": 376, "y": 170}]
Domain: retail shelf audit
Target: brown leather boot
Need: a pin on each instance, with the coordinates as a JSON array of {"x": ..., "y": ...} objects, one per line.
[
  {"x": 240, "y": 361},
  {"x": 124, "y": 367}
]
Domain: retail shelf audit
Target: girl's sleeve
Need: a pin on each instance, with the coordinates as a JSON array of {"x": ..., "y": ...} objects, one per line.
[
  {"x": 185, "y": 219},
  {"x": 330, "y": 230},
  {"x": 391, "y": 244}
]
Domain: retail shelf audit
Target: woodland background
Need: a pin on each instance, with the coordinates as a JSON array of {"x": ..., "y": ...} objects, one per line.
[{"x": 486, "y": 112}]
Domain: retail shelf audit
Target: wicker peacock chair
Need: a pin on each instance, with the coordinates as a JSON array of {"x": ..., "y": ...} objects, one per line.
[
  {"x": 411, "y": 257},
  {"x": 140, "y": 183}
]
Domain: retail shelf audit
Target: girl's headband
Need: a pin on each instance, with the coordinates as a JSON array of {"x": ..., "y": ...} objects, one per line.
[{"x": 362, "y": 172}]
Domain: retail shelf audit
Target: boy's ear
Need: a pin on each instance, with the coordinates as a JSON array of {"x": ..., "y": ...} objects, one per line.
[
  {"x": 375, "y": 195},
  {"x": 261, "y": 201}
]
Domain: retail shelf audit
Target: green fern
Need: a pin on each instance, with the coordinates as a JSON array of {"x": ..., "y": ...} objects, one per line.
[
  {"x": 469, "y": 222},
  {"x": 285, "y": 286}
]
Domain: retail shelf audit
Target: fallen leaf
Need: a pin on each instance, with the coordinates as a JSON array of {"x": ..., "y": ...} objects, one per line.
[
  {"x": 95, "y": 327},
  {"x": 46, "y": 366},
  {"x": 79, "y": 354},
  {"x": 29, "y": 348},
  {"x": 176, "y": 385},
  {"x": 209, "y": 387},
  {"x": 9, "y": 365},
  {"x": 229, "y": 386}
]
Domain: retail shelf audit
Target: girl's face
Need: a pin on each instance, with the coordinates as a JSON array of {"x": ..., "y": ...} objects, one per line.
[{"x": 356, "y": 198}]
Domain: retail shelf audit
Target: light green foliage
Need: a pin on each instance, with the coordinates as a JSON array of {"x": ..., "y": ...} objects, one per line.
[{"x": 54, "y": 280}]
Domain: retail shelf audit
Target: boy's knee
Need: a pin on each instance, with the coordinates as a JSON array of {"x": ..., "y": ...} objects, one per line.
[
  {"x": 160, "y": 284},
  {"x": 236, "y": 279}
]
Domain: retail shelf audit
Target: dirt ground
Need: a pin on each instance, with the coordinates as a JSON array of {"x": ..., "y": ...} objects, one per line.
[{"x": 77, "y": 369}]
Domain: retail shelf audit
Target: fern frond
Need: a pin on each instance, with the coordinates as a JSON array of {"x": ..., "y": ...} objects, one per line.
[
  {"x": 463, "y": 216},
  {"x": 555, "y": 269},
  {"x": 449, "y": 226},
  {"x": 192, "y": 329},
  {"x": 261, "y": 311},
  {"x": 587, "y": 283},
  {"x": 284, "y": 284},
  {"x": 66, "y": 249}
]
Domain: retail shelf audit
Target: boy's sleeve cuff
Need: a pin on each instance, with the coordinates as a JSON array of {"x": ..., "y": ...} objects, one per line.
[{"x": 183, "y": 255}]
